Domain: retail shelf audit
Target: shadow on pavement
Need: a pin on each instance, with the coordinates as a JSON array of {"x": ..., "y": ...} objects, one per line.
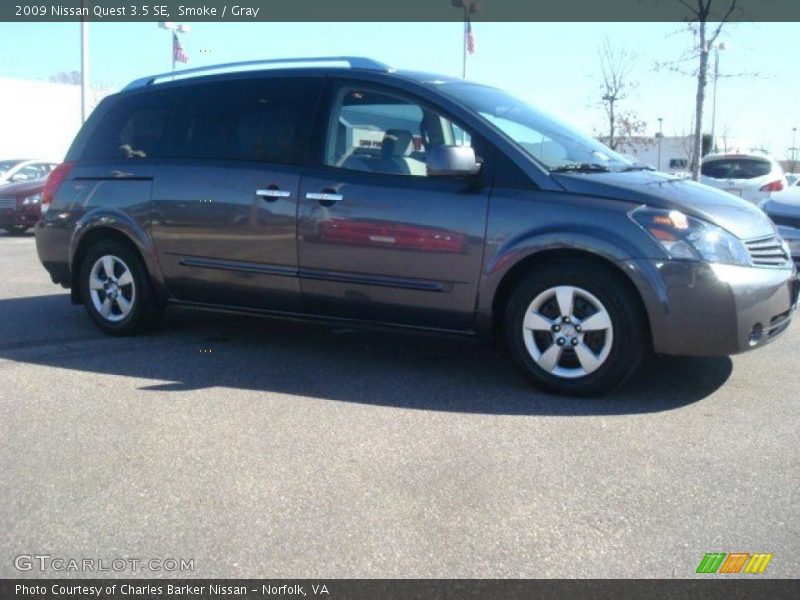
[
  {"x": 196, "y": 351},
  {"x": 29, "y": 233}
]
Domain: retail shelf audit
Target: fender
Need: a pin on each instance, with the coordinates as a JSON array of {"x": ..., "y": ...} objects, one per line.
[
  {"x": 570, "y": 240},
  {"x": 123, "y": 223}
]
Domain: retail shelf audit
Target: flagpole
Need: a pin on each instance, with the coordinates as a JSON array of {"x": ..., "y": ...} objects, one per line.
[
  {"x": 464, "y": 52},
  {"x": 84, "y": 65}
]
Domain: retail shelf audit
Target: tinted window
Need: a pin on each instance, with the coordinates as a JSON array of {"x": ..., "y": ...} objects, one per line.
[
  {"x": 678, "y": 163},
  {"x": 134, "y": 127},
  {"x": 379, "y": 132},
  {"x": 265, "y": 120},
  {"x": 736, "y": 168}
]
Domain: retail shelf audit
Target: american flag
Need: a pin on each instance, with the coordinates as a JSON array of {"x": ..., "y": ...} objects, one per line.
[
  {"x": 178, "y": 55},
  {"x": 470, "y": 37}
]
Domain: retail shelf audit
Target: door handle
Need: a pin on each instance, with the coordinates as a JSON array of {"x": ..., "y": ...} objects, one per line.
[
  {"x": 325, "y": 198},
  {"x": 273, "y": 193}
]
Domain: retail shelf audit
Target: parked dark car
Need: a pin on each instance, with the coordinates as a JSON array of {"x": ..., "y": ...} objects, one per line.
[
  {"x": 784, "y": 210},
  {"x": 20, "y": 205},
  {"x": 472, "y": 214}
]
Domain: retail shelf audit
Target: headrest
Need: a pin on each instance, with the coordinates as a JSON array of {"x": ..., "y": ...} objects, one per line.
[{"x": 395, "y": 142}]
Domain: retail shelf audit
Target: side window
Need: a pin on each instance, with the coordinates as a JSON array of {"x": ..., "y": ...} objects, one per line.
[
  {"x": 134, "y": 127},
  {"x": 267, "y": 119},
  {"x": 378, "y": 132}
]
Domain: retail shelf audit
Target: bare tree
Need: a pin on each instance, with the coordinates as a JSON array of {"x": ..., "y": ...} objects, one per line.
[
  {"x": 616, "y": 66},
  {"x": 707, "y": 18},
  {"x": 71, "y": 77}
]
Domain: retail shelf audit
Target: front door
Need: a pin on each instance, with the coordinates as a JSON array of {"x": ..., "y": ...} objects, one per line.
[
  {"x": 224, "y": 209},
  {"x": 378, "y": 238}
]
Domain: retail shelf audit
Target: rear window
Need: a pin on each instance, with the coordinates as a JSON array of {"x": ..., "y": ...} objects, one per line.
[
  {"x": 265, "y": 120},
  {"x": 736, "y": 168},
  {"x": 134, "y": 127}
]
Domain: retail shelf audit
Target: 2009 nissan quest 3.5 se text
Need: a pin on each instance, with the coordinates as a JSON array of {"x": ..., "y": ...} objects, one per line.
[{"x": 342, "y": 190}]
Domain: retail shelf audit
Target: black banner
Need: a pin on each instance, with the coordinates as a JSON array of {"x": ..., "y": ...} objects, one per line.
[
  {"x": 733, "y": 588},
  {"x": 396, "y": 10}
]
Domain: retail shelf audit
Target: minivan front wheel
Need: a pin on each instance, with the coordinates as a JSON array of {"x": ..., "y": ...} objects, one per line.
[
  {"x": 575, "y": 329},
  {"x": 115, "y": 288}
]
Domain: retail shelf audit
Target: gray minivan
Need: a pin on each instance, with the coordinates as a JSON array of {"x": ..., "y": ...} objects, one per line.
[{"x": 342, "y": 190}]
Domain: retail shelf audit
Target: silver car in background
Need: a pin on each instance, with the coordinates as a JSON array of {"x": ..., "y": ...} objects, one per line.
[{"x": 753, "y": 176}]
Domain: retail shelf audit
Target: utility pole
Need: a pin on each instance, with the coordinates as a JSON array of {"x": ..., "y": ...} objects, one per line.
[{"x": 794, "y": 149}]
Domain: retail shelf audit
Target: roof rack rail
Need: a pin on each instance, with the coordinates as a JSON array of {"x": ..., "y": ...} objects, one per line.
[{"x": 352, "y": 62}]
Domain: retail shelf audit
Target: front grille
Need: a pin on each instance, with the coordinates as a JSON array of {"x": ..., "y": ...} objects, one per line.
[
  {"x": 8, "y": 202},
  {"x": 779, "y": 323},
  {"x": 767, "y": 252},
  {"x": 786, "y": 221}
]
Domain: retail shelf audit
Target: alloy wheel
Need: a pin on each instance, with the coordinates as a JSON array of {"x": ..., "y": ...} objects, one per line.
[
  {"x": 112, "y": 288},
  {"x": 568, "y": 332}
]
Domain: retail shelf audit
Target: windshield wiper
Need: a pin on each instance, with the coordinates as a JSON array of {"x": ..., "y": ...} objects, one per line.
[
  {"x": 581, "y": 167},
  {"x": 637, "y": 167}
]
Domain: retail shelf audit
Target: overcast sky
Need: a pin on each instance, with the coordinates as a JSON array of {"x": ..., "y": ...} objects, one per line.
[{"x": 551, "y": 65}]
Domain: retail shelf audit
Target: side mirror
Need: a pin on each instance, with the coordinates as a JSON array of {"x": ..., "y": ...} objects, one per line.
[{"x": 452, "y": 161}]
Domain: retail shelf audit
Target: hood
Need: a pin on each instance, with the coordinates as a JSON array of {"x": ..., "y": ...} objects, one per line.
[
  {"x": 22, "y": 188},
  {"x": 661, "y": 190},
  {"x": 786, "y": 203}
]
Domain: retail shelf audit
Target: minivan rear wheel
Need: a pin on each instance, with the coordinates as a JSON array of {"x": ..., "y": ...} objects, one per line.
[
  {"x": 115, "y": 288},
  {"x": 574, "y": 328}
]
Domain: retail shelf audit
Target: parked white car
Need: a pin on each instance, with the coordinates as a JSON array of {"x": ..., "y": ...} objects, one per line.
[
  {"x": 751, "y": 176},
  {"x": 16, "y": 170}
]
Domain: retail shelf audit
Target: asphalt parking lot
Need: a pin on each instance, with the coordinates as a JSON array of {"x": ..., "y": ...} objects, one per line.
[{"x": 263, "y": 449}]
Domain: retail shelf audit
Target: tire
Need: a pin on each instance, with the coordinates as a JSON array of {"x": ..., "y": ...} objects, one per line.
[
  {"x": 122, "y": 304},
  {"x": 564, "y": 356},
  {"x": 16, "y": 229}
]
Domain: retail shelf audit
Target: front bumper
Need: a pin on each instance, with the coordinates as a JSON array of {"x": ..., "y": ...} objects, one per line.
[
  {"x": 699, "y": 309},
  {"x": 26, "y": 216}
]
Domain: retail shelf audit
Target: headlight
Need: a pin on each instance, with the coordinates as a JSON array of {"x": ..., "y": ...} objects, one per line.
[
  {"x": 34, "y": 199},
  {"x": 688, "y": 238}
]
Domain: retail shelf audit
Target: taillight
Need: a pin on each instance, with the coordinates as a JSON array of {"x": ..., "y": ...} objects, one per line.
[
  {"x": 54, "y": 180},
  {"x": 774, "y": 186}
]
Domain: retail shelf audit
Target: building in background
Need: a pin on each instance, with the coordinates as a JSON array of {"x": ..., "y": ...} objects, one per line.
[
  {"x": 39, "y": 119},
  {"x": 675, "y": 151}
]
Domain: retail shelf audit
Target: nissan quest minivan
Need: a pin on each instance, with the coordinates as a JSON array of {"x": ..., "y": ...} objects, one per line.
[{"x": 341, "y": 190}]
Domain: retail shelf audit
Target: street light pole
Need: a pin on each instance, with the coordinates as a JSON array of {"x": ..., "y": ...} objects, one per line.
[
  {"x": 660, "y": 137},
  {"x": 717, "y": 48},
  {"x": 794, "y": 149}
]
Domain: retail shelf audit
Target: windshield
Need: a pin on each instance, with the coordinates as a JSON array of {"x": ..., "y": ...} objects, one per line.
[
  {"x": 5, "y": 165},
  {"x": 553, "y": 144}
]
